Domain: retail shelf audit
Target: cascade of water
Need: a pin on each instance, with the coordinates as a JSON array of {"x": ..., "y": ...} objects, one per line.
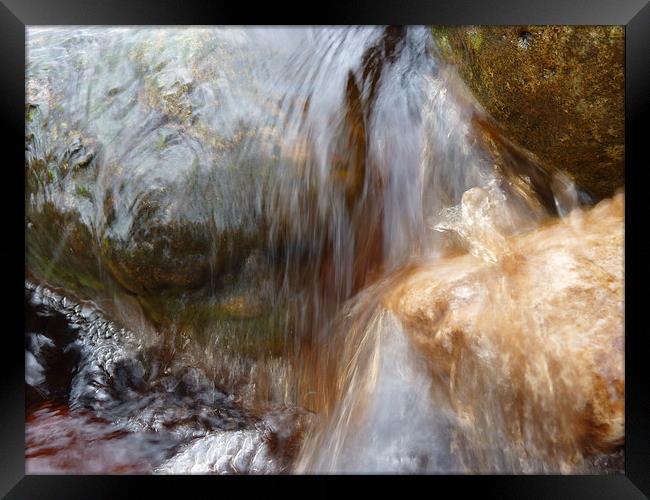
[{"x": 256, "y": 191}]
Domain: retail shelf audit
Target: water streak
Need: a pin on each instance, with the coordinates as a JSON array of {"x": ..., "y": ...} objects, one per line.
[{"x": 243, "y": 201}]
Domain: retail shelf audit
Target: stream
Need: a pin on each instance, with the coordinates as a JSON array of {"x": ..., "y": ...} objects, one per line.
[{"x": 218, "y": 220}]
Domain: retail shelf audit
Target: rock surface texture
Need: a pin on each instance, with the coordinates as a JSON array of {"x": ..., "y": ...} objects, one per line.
[
  {"x": 531, "y": 346},
  {"x": 558, "y": 91}
]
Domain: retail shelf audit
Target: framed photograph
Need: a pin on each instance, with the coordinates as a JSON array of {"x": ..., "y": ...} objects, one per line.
[{"x": 394, "y": 239}]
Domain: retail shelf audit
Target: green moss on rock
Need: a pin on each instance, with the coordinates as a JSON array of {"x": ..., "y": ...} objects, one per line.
[{"x": 558, "y": 91}]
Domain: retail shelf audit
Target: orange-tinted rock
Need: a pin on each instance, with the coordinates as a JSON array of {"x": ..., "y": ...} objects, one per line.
[{"x": 530, "y": 347}]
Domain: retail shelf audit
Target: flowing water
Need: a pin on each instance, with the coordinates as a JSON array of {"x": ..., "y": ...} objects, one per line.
[{"x": 215, "y": 217}]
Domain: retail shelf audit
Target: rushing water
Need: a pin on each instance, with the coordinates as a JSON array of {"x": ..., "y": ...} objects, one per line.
[{"x": 238, "y": 202}]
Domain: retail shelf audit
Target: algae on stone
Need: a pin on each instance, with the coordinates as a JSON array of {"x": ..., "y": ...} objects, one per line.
[{"x": 558, "y": 91}]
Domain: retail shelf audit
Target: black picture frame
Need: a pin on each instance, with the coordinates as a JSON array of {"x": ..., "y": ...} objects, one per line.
[{"x": 15, "y": 15}]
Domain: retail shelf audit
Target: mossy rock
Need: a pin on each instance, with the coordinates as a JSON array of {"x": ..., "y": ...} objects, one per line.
[
  {"x": 57, "y": 250},
  {"x": 558, "y": 91},
  {"x": 161, "y": 257}
]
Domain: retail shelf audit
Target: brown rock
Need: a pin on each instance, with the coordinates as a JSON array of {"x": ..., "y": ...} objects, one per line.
[
  {"x": 558, "y": 91},
  {"x": 529, "y": 346}
]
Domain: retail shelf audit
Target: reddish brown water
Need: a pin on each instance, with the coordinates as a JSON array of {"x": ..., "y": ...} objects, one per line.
[{"x": 58, "y": 440}]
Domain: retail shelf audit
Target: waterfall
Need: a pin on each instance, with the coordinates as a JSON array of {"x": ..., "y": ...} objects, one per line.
[{"x": 245, "y": 202}]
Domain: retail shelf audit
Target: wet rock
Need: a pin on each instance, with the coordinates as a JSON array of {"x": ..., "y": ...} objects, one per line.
[
  {"x": 557, "y": 91},
  {"x": 529, "y": 345},
  {"x": 159, "y": 257},
  {"x": 132, "y": 174}
]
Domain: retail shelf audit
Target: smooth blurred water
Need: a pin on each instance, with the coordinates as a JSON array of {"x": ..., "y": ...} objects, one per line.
[{"x": 288, "y": 168}]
